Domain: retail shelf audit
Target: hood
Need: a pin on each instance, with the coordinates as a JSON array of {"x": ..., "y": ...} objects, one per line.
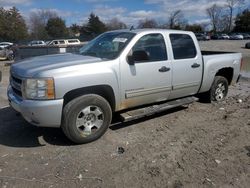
[{"x": 32, "y": 66}]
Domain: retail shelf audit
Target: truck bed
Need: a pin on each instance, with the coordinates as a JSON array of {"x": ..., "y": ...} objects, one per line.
[{"x": 218, "y": 60}]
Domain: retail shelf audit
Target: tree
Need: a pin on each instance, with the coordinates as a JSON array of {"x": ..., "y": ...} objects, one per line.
[
  {"x": 38, "y": 21},
  {"x": 75, "y": 29},
  {"x": 242, "y": 22},
  {"x": 214, "y": 12},
  {"x": 194, "y": 28},
  {"x": 176, "y": 20},
  {"x": 231, "y": 4},
  {"x": 56, "y": 28},
  {"x": 147, "y": 23},
  {"x": 94, "y": 27},
  {"x": 114, "y": 24},
  {"x": 12, "y": 25}
]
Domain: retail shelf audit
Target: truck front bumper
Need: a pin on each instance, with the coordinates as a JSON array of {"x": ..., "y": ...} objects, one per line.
[{"x": 46, "y": 113}]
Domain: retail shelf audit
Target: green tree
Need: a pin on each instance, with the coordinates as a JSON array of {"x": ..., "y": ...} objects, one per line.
[
  {"x": 94, "y": 27},
  {"x": 75, "y": 30},
  {"x": 242, "y": 22},
  {"x": 56, "y": 28},
  {"x": 12, "y": 25}
]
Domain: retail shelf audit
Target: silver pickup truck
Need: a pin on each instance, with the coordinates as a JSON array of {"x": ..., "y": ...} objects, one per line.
[{"x": 120, "y": 72}]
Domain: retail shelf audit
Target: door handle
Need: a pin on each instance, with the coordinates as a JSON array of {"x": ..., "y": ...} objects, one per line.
[
  {"x": 195, "y": 65},
  {"x": 164, "y": 69}
]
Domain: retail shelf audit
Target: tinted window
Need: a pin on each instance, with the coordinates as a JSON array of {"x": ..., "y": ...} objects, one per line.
[
  {"x": 154, "y": 45},
  {"x": 183, "y": 46}
]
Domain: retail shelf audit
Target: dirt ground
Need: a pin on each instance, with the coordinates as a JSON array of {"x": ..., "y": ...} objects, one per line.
[{"x": 202, "y": 145}]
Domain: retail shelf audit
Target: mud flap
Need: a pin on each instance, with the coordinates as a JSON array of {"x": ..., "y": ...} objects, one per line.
[{"x": 238, "y": 78}]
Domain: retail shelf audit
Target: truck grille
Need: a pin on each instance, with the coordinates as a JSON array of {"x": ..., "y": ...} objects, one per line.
[{"x": 16, "y": 85}]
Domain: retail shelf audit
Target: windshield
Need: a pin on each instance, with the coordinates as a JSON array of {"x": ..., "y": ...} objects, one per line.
[{"x": 107, "y": 45}]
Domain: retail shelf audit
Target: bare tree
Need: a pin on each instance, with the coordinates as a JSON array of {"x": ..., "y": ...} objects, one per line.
[
  {"x": 214, "y": 13},
  {"x": 231, "y": 4},
  {"x": 38, "y": 21},
  {"x": 147, "y": 23},
  {"x": 176, "y": 20},
  {"x": 115, "y": 23}
]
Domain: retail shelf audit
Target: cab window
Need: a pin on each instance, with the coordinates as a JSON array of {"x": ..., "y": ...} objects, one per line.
[
  {"x": 153, "y": 45},
  {"x": 183, "y": 46}
]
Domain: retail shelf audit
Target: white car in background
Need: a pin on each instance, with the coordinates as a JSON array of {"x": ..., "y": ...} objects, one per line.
[
  {"x": 225, "y": 36},
  {"x": 37, "y": 43},
  {"x": 6, "y": 44},
  {"x": 64, "y": 42},
  {"x": 236, "y": 37}
]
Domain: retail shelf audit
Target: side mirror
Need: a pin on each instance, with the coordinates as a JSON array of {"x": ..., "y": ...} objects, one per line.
[{"x": 139, "y": 55}]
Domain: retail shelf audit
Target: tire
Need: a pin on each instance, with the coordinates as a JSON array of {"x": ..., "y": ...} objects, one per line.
[
  {"x": 219, "y": 89},
  {"x": 86, "y": 118},
  {"x": 248, "y": 45},
  {"x": 217, "y": 92},
  {"x": 11, "y": 57}
]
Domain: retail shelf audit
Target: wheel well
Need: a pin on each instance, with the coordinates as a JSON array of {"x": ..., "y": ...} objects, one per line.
[
  {"x": 227, "y": 73},
  {"x": 103, "y": 90}
]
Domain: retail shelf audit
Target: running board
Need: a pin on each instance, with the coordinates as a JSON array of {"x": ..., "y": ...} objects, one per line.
[{"x": 147, "y": 111}]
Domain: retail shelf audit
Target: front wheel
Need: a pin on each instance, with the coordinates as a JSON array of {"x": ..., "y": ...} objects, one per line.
[{"x": 86, "y": 118}]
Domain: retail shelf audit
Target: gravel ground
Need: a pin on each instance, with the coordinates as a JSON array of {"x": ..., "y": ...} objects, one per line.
[{"x": 203, "y": 145}]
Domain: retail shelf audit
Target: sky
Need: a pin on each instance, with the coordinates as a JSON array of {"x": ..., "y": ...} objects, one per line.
[{"x": 128, "y": 11}]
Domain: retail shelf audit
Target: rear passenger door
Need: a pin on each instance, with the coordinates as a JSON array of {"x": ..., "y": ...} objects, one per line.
[{"x": 187, "y": 65}]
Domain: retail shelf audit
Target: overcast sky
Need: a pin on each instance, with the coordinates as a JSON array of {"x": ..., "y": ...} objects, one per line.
[{"x": 128, "y": 11}]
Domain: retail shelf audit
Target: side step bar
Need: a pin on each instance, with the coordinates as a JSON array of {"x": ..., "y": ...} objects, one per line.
[{"x": 147, "y": 111}]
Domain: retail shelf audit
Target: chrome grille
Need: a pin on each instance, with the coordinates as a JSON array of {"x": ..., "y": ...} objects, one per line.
[{"x": 16, "y": 84}]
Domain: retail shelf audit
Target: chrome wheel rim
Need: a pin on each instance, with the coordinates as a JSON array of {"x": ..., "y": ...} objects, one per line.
[
  {"x": 89, "y": 120},
  {"x": 220, "y": 92}
]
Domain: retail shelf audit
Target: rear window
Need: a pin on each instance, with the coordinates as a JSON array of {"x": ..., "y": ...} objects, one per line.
[
  {"x": 183, "y": 46},
  {"x": 73, "y": 41},
  {"x": 61, "y": 42}
]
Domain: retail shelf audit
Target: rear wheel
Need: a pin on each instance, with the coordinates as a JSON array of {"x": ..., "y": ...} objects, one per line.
[
  {"x": 86, "y": 118},
  {"x": 219, "y": 89},
  {"x": 217, "y": 92}
]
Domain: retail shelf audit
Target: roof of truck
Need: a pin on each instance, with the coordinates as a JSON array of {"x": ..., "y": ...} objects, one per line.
[{"x": 137, "y": 31}]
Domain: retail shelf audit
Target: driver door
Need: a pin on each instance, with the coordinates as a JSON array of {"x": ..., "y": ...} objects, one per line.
[{"x": 146, "y": 80}]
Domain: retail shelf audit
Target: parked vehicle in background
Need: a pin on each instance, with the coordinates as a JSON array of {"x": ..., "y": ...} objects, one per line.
[
  {"x": 6, "y": 53},
  {"x": 216, "y": 37},
  {"x": 202, "y": 37},
  {"x": 220, "y": 36},
  {"x": 245, "y": 35},
  {"x": 6, "y": 44},
  {"x": 37, "y": 43},
  {"x": 81, "y": 93},
  {"x": 236, "y": 36},
  {"x": 64, "y": 42},
  {"x": 224, "y": 36}
]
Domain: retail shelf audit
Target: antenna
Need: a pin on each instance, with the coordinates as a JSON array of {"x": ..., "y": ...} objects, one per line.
[{"x": 131, "y": 28}]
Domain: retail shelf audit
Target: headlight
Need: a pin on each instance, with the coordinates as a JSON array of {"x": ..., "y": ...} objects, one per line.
[{"x": 40, "y": 89}]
